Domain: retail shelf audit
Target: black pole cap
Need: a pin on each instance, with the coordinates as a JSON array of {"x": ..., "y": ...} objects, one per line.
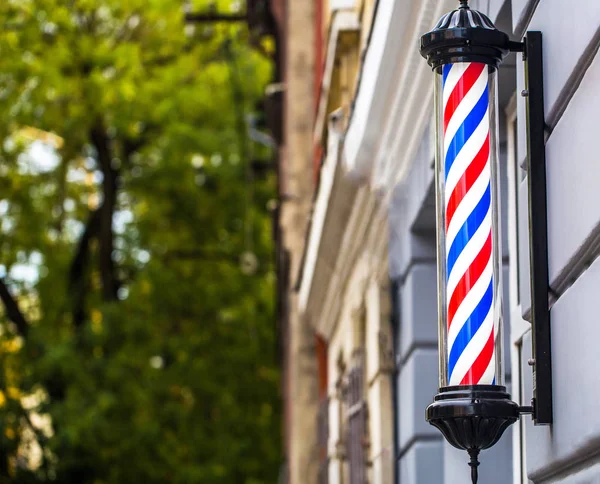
[{"x": 464, "y": 35}]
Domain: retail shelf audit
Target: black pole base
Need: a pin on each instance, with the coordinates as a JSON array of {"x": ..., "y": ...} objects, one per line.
[{"x": 472, "y": 417}]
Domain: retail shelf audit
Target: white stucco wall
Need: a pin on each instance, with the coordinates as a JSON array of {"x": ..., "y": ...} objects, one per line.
[{"x": 567, "y": 451}]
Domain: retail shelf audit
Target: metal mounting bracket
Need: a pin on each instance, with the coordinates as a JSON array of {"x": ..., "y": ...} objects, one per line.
[{"x": 538, "y": 229}]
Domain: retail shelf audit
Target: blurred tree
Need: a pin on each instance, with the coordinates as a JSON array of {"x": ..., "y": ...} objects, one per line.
[{"x": 136, "y": 341}]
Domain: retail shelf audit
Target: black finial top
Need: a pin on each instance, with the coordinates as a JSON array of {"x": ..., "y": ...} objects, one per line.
[{"x": 464, "y": 35}]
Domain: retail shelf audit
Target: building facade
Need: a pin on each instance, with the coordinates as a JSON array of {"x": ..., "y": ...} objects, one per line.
[{"x": 365, "y": 284}]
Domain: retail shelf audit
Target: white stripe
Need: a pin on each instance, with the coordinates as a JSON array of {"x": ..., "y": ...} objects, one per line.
[
  {"x": 467, "y": 256},
  {"x": 443, "y": 20},
  {"x": 456, "y": 72},
  {"x": 486, "y": 21},
  {"x": 468, "y": 152},
  {"x": 469, "y": 303},
  {"x": 475, "y": 150},
  {"x": 488, "y": 375},
  {"x": 471, "y": 20},
  {"x": 455, "y": 19},
  {"x": 464, "y": 108},
  {"x": 473, "y": 349},
  {"x": 467, "y": 205}
]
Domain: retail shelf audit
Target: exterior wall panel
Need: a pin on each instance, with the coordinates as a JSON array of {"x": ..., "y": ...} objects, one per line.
[
  {"x": 417, "y": 384},
  {"x": 572, "y": 167},
  {"x": 495, "y": 464},
  {"x": 418, "y": 310},
  {"x": 573, "y": 171},
  {"x": 423, "y": 463},
  {"x": 574, "y": 437},
  {"x": 568, "y": 29}
]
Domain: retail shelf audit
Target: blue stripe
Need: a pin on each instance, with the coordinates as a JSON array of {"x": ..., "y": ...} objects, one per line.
[
  {"x": 471, "y": 326},
  {"x": 466, "y": 232},
  {"x": 466, "y": 129},
  {"x": 445, "y": 71}
]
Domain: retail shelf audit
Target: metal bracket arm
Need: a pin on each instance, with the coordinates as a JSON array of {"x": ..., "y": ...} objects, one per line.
[{"x": 538, "y": 229}]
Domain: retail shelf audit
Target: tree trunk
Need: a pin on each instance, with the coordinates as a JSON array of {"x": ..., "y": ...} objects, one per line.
[
  {"x": 77, "y": 280},
  {"x": 13, "y": 312},
  {"x": 108, "y": 276}
]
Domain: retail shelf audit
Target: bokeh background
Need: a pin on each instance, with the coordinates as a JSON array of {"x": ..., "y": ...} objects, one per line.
[{"x": 137, "y": 279}]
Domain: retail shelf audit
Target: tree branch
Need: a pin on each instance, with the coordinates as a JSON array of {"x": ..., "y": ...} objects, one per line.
[
  {"x": 108, "y": 276},
  {"x": 99, "y": 226},
  {"x": 81, "y": 256},
  {"x": 212, "y": 17},
  {"x": 13, "y": 312},
  {"x": 77, "y": 283}
]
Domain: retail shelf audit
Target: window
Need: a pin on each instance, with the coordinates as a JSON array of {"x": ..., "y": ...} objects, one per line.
[
  {"x": 323, "y": 439},
  {"x": 357, "y": 421},
  {"x": 339, "y": 470},
  {"x": 357, "y": 436}
]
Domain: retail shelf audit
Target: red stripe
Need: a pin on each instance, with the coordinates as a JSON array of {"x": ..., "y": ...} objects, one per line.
[
  {"x": 469, "y": 278},
  {"x": 476, "y": 371},
  {"x": 466, "y": 182},
  {"x": 463, "y": 86}
]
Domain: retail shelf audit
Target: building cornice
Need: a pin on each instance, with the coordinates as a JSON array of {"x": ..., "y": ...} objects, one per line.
[
  {"x": 392, "y": 105},
  {"x": 362, "y": 257},
  {"x": 330, "y": 184},
  {"x": 348, "y": 241}
]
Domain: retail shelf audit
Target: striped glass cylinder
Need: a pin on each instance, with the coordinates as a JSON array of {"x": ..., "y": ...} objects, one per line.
[{"x": 468, "y": 218}]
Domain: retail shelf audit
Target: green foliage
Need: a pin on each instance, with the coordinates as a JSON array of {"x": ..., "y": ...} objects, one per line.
[{"x": 172, "y": 376}]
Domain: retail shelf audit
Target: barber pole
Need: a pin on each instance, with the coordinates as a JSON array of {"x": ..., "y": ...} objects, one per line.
[
  {"x": 473, "y": 408},
  {"x": 468, "y": 224}
]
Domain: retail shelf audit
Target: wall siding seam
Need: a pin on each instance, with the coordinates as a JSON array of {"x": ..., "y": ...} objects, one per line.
[
  {"x": 580, "y": 460},
  {"x": 590, "y": 249},
  {"x": 416, "y": 439},
  {"x": 412, "y": 349},
  {"x": 580, "y": 261},
  {"x": 570, "y": 88},
  {"x": 573, "y": 82},
  {"x": 415, "y": 262},
  {"x": 525, "y": 18}
]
